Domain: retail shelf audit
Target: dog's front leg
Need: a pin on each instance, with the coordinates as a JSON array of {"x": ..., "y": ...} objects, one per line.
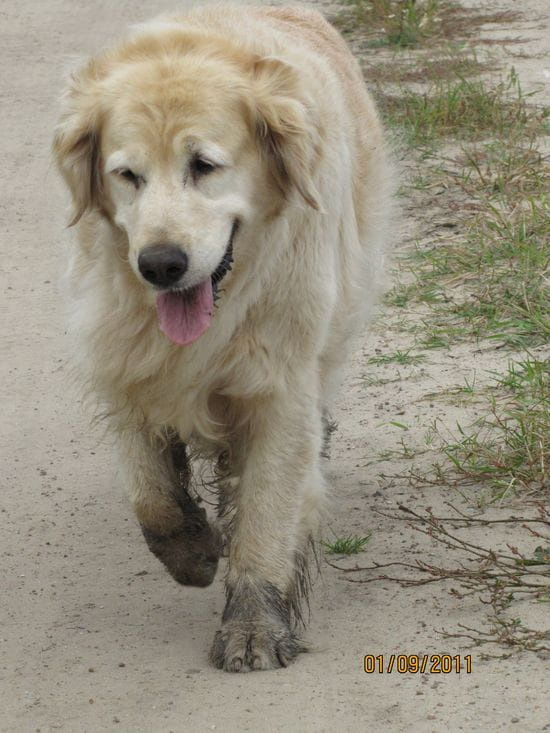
[
  {"x": 175, "y": 528},
  {"x": 280, "y": 479}
]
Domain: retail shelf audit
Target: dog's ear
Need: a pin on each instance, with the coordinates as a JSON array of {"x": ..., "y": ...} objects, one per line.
[
  {"x": 76, "y": 148},
  {"x": 285, "y": 128}
]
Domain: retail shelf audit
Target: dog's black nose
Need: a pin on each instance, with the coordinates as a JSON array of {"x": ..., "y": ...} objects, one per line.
[{"x": 162, "y": 264}]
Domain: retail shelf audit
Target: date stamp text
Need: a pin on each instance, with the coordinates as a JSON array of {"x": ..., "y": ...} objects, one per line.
[{"x": 417, "y": 663}]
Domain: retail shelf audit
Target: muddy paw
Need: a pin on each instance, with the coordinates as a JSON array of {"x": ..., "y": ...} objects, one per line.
[
  {"x": 244, "y": 647},
  {"x": 190, "y": 553},
  {"x": 256, "y": 632}
]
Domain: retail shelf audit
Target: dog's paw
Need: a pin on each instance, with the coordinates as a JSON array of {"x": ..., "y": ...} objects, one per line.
[
  {"x": 190, "y": 553},
  {"x": 243, "y": 646}
]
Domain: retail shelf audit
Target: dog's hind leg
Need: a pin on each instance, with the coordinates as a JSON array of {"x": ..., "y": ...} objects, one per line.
[
  {"x": 174, "y": 526},
  {"x": 278, "y": 483}
]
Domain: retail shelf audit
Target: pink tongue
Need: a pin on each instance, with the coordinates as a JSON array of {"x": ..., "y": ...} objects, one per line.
[{"x": 183, "y": 317}]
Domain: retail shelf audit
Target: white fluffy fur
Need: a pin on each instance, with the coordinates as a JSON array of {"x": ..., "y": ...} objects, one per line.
[{"x": 309, "y": 260}]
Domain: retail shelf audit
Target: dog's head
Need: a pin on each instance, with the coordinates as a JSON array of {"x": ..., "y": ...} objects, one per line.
[{"x": 180, "y": 145}]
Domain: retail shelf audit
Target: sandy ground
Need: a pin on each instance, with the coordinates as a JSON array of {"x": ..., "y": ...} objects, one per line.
[{"x": 94, "y": 634}]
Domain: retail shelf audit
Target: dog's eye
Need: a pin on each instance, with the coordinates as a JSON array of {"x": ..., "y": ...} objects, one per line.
[
  {"x": 201, "y": 167},
  {"x": 130, "y": 176}
]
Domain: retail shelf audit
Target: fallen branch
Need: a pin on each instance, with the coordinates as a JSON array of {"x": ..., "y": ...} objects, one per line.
[{"x": 502, "y": 575}]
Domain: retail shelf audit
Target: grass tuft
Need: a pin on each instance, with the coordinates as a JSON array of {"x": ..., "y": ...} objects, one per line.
[
  {"x": 402, "y": 23},
  {"x": 399, "y": 357},
  {"x": 351, "y": 545},
  {"x": 488, "y": 275},
  {"x": 467, "y": 109},
  {"x": 510, "y": 448},
  {"x": 493, "y": 281},
  {"x": 412, "y": 23}
]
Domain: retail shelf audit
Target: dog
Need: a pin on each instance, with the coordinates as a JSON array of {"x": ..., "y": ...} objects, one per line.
[{"x": 231, "y": 183}]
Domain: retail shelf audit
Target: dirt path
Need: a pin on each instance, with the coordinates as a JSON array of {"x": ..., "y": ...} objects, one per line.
[{"x": 94, "y": 635}]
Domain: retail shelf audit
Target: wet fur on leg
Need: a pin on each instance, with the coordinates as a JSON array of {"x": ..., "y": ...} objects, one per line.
[
  {"x": 298, "y": 598},
  {"x": 256, "y": 630},
  {"x": 330, "y": 426},
  {"x": 225, "y": 484},
  {"x": 191, "y": 551}
]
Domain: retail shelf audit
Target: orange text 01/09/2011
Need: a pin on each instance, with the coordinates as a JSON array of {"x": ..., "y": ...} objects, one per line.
[{"x": 417, "y": 663}]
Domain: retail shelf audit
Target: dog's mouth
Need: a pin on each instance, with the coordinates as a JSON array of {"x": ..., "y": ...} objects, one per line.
[
  {"x": 184, "y": 315},
  {"x": 226, "y": 262}
]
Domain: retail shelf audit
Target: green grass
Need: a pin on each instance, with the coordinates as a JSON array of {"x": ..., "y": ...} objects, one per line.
[
  {"x": 400, "y": 296},
  {"x": 480, "y": 197},
  {"x": 441, "y": 336},
  {"x": 509, "y": 449},
  {"x": 404, "y": 452},
  {"x": 404, "y": 358},
  {"x": 447, "y": 64},
  {"x": 541, "y": 556},
  {"x": 458, "y": 394},
  {"x": 493, "y": 281},
  {"x": 350, "y": 545},
  {"x": 488, "y": 277},
  {"x": 467, "y": 109},
  {"x": 370, "y": 381},
  {"x": 401, "y": 23},
  {"x": 510, "y": 169},
  {"x": 412, "y": 23}
]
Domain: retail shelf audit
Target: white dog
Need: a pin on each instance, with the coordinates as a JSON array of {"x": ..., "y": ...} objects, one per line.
[{"x": 231, "y": 186}]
